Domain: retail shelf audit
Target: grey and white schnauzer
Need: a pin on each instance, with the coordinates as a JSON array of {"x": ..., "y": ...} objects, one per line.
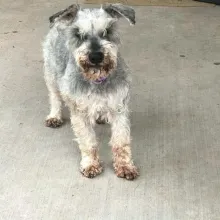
[{"x": 84, "y": 68}]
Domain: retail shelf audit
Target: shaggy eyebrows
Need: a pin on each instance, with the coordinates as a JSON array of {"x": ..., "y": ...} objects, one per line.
[{"x": 80, "y": 29}]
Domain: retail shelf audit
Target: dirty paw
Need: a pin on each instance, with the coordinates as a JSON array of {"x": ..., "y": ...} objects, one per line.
[
  {"x": 92, "y": 170},
  {"x": 100, "y": 121},
  {"x": 128, "y": 172},
  {"x": 53, "y": 122}
]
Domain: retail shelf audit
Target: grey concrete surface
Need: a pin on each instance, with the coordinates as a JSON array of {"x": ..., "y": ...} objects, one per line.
[{"x": 175, "y": 122}]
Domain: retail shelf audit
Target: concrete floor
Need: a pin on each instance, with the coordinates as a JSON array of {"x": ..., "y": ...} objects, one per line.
[{"x": 173, "y": 54}]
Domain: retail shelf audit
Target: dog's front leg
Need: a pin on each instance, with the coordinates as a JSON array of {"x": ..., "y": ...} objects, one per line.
[
  {"x": 121, "y": 148},
  {"x": 54, "y": 119},
  {"x": 85, "y": 135}
]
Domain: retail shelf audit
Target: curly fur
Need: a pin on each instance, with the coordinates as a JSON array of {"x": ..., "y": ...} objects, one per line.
[{"x": 70, "y": 77}]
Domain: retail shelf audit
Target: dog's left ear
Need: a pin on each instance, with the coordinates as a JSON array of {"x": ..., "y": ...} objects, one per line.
[
  {"x": 67, "y": 15},
  {"x": 120, "y": 10}
]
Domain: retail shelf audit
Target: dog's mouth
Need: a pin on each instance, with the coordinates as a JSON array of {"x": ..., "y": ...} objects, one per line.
[{"x": 97, "y": 73}]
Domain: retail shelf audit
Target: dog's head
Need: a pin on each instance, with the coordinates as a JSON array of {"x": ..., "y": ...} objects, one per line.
[{"x": 93, "y": 37}]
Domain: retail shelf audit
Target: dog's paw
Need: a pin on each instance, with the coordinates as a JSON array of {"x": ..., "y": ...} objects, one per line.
[
  {"x": 126, "y": 171},
  {"x": 53, "y": 122},
  {"x": 100, "y": 121},
  {"x": 92, "y": 170}
]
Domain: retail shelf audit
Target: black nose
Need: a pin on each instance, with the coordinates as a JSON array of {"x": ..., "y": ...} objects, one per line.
[{"x": 96, "y": 57}]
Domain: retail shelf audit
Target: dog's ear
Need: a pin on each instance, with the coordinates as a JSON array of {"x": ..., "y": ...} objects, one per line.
[
  {"x": 120, "y": 10},
  {"x": 67, "y": 15}
]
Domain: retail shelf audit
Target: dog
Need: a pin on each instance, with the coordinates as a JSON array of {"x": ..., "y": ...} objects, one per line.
[{"x": 84, "y": 69}]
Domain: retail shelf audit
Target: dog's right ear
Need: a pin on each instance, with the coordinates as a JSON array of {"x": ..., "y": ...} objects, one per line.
[{"x": 67, "y": 15}]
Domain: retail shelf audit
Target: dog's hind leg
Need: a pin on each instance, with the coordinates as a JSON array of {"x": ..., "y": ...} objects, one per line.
[{"x": 54, "y": 119}]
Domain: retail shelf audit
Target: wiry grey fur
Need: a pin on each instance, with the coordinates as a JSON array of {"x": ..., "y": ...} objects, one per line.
[{"x": 74, "y": 34}]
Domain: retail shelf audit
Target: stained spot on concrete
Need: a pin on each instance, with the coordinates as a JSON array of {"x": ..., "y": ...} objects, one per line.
[
  {"x": 6, "y": 32},
  {"x": 14, "y": 32},
  {"x": 217, "y": 63},
  {"x": 182, "y": 55}
]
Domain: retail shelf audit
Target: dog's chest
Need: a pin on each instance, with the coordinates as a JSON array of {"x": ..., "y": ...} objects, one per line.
[{"x": 94, "y": 105}]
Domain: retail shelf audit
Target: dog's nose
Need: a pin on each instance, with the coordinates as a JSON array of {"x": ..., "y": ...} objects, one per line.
[{"x": 96, "y": 57}]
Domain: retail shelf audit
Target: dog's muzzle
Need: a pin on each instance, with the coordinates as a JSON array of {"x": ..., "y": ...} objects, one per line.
[{"x": 97, "y": 66}]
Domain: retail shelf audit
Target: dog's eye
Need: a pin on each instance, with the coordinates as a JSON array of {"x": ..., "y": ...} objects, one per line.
[
  {"x": 85, "y": 37},
  {"x": 77, "y": 33},
  {"x": 106, "y": 33}
]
